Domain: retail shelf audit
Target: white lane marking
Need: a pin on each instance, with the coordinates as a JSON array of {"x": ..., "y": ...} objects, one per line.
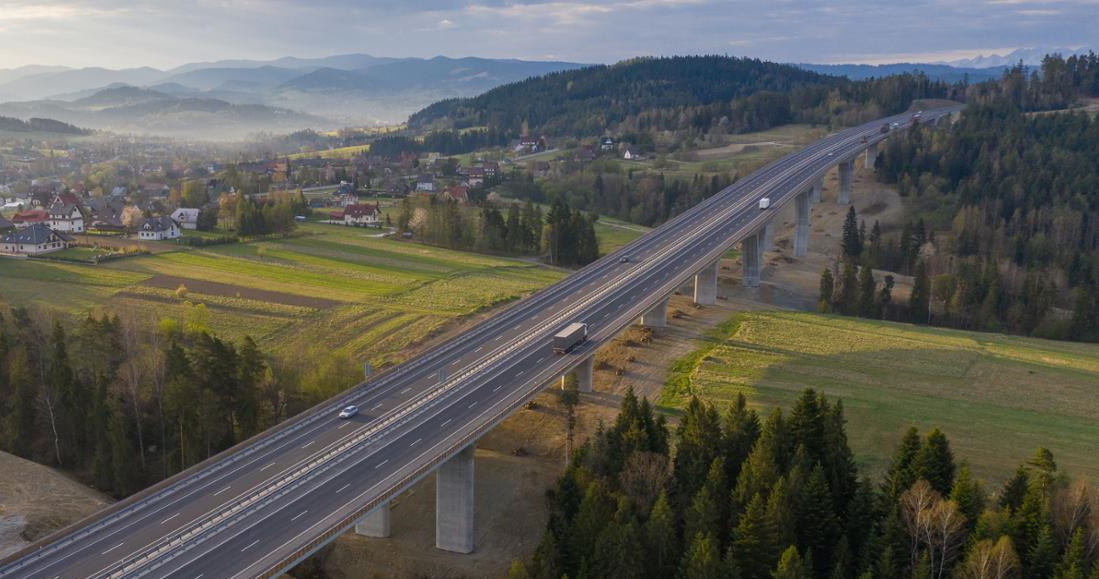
[
  {"x": 521, "y": 372},
  {"x": 447, "y": 422},
  {"x": 306, "y": 445},
  {"x": 498, "y": 387},
  {"x": 169, "y": 518},
  {"x": 343, "y": 488},
  {"x": 472, "y": 404},
  {"x": 381, "y": 464},
  {"x": 405, "y": 391},
  {"x": 199, "y": 576},
  {"x": 415, "y": 442},
  {"x": 221, "y": 491},
  {"x": 344, "y": 425},
  {"x": 540, "y": 359},
  {"x": 267, "y": 467},
  {"x": 498, "y": 338},
  {"x": 478, "y": 349},
  {"x": 113, "y": 548},
  {"x": 376, "y": 406},
  {"x": 250, "y": 545},
  {"x": 517, "y": 326},
  {"x": 298, "y": 516}
]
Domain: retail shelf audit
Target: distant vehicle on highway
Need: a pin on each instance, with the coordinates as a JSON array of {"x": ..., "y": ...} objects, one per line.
[
  {"x": 349, "y": 411},
  {"x": 765, "y": 203},
  {"x": 624, "y": 259},
  {"x": 573, "y": 335},
  {"x": 885, "y": 128}
]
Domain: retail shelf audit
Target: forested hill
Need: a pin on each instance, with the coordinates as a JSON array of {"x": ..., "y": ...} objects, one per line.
[
  {"x": 703, "y": 93},
  {"x": 44, "y": 125}
]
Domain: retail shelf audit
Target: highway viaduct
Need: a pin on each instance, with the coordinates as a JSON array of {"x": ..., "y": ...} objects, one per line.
[{"x": 261, "y": 507}]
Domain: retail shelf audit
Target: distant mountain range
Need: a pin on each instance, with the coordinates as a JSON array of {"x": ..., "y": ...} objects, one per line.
[
  {"x": 1028, "y": 56},
  {"x": 350, "y": 89},
  {"x": 233, "y": 97}
]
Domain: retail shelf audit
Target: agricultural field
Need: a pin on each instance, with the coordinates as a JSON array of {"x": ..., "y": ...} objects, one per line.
[
  {"x": 996, "y": 397},
  {"x": 338, "y": 290}
]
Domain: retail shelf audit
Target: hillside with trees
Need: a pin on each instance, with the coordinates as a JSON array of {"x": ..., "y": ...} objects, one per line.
[
  {"x": 1003, "y": 232},
  {"x": 737, "y": 495},
  {"x": 701, "y": 94}
]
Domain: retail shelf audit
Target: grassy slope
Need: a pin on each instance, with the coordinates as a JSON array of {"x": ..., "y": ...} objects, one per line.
[
  {"x": 996, "y": 397},
  {"x": 380, "y": 295}
]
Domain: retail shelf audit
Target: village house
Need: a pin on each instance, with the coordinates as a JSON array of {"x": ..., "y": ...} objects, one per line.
[
  {"x": 159, "y": 228},
  {"x": 459, "y": 194},
  {"x": 36, "y": 239},
  {"x": 187, "y": 217},
  {"x": 25, "y": 219},
  {"x": 426, "y": 183},
  {"x": 607, "y": 144},
  {"x": 362, "y": 215},
  {"x": 106, "y": 213},
  {"x": 65, "y": 214}
]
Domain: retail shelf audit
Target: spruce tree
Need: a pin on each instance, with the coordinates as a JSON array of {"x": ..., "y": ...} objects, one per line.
[
  {"x": 935, "y": 462},
  {"x": 740, "y": 431},
  {"x": 847, "y": 303},
  {"x": 790, "y": 566},
  {"x": 919, "y": 301},
  {"x": 827, "y": 291},
  {"x": 661, "y": 546},
  {"x": 900, "y": 475},
  {"x": 818, "y": 528},
  {"x": 701, "y": 561},
  {"x": 852, "y": 244},
  {"x": 868, "y": 305},
  {"x": 753, "y": 545},
  {"x": 969, "y": 494}
]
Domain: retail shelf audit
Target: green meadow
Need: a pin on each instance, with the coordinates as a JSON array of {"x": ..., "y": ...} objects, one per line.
[
  {"x": 335, "y": 289},
  {"x": 996, "y": 397}
]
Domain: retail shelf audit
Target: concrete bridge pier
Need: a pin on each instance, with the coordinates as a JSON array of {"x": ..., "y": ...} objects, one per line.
[
  {"x": 846, "y": 169},
  {"x": 706, "y": 285},
  {"x": 801, "y": 228},
  {"x": 657, "y": 317},
  {"x": 871, "y": 155},
  {"x": 584, "y": 374},
  {"x": 814, "y": 195},
  {"x": 767, "y": 239},
  {"x": 454, "y": 503},
  {"x": 751, "y": 251},
  {"x": 375, "y": 523}
]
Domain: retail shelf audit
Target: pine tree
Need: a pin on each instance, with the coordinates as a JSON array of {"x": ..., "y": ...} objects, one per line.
[
  {"x": 847, "y": 302},
  {"x": 852, "y": 244},
  {"x": 935, "y": 462},
  {"x": 740, "y": 431},
  {"x": 790, "y": 566},
  {"x": 868, "y": 306},
  {"x": 698, "y": 432},
  {"x": 969, "y": 494},
  {"x": 661, "y": 547},
  {"x": 701, "y": 561},
  {"x": 818, "y": 527},
  {"x": 919, "y": 301},
  {"x": 900, "y": 476},
  {"x": 1074, "y": 564},
  {"x": 827, "y": 291},
  {"x": 753, "y": 547}
]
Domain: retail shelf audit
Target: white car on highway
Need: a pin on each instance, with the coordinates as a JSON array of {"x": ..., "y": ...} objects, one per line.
[{"x": 349, "y": 411}]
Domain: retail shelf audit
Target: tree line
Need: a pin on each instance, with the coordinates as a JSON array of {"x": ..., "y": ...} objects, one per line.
[
  {"x": 737, "y": 495},
  {"x": 121, "y": 405},
  {"x": 562, "y": 236}
]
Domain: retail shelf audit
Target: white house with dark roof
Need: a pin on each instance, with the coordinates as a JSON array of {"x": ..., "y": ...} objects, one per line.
[
  {"x": 365, "y": 214},
  {"x": 36, "y": 239},
  {"x": 187, "y": 217},
  {"x": 159, "y": 229},
  {"x": 65, "y": 215}
]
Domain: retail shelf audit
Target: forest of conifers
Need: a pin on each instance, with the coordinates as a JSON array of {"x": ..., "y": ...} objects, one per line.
[
  {"x": 1010, "y": 202},
  {"x": 745, "y": 497}
]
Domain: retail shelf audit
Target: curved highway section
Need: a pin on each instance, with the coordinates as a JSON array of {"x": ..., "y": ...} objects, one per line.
[{"x": 264, "y": 505}]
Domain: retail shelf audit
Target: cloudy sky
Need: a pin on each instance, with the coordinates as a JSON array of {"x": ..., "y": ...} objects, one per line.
[{"x": 167, "y": 33}]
